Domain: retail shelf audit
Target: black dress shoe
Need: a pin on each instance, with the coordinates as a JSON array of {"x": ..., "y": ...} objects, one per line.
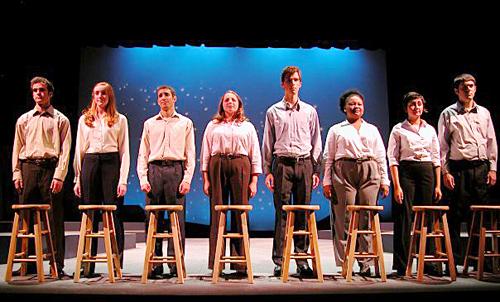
[
  {"x": 61, "y": 274},
  {"x": 304, "y": 270},
  {"x": 157, "y": 271},
  {"x": 277, "y": 271},
  {"x": 91, "y": 274},
  {"x": 365, "y": 271}
]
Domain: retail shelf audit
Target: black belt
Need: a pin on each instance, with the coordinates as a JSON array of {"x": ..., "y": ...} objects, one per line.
[
  {"x": 356, "y": 160},
  {"x": 467, "y": 163},
  {"x": 41, "y": 161},
  {"x": 229, "y": 155},
  {"x": 292, "y": 159},
  {"x": 166, "y": 162}
]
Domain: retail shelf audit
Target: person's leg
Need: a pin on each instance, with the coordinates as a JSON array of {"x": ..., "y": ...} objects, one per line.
[
  {"x": 215, "y": 176},
  {"x": 302, "y": 190},
  {"x": 239, "y": 179},
  {"x": 283, "y": 182}
]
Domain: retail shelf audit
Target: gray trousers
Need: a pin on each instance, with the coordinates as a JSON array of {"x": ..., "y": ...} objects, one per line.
[{"x": 354, "y": 183}]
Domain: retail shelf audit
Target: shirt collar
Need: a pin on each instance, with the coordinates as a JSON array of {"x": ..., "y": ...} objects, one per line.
[
  {"x": 461, "y": 108},
  {"x": 160, "y": 117},
  {"x": 287, "y": 107},
  {"x": 39, "y": 111}
]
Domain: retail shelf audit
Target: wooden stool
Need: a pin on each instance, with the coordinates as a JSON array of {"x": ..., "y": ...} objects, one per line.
[
  {"x": 175, "y": 234},
  {"x": 311, "y": 231},
  {"x": 478, "y": 229},
  {"x": 420, "y": 228},
  {"x": 84, "y": 253},
  {"x": 220, "y": 252},
  {"x": 352, "y": 238},
  {"x": 24, "y": 211}
]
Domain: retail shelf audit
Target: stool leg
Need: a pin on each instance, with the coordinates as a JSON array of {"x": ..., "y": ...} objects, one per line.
[
  {"x": 449, "y": 252},
  {"x": 422, "y": 247},
  {"x": 413, "y": 244},
  {"x": 87, "y": 251},
  {"x": 81, "y": 246},
  {"x": 494, "y": 238},
  {"x": 149, "y": 247},
  {"x": 114, "y": 246},
  {"x": 351, "y": 248},
  {"x": 12, "y": 247},
  {"x": 287, "y": 249},
  {"x": 436, "y": 229},
  {"x": 180, "y": 247},
  {"x": 316, "y": 261},
  {"x": 177, "y": 246},
  {"x": 379, "y": 247},
  {"x": 25, "y": 241},
  {"x": 469, "y": 243},
  {"x": 246, "y": 245},
  {"x": 348, "y": 244},
  {"x": 375, "y": 243},
  {"x": 107, "y": 245},
  {"x": 38, "y": 246},
  {"x": 220, "y": 246},
  {"x": 481, "y": 248},
  {"x": 53, "y": 267}
]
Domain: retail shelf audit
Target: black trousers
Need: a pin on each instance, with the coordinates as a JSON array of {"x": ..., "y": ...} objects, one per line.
[
  {"x": 229, "y": 180},
  {"x": 36, "y": 190},
  {"x": 417, "y": 182},
  {"x": 165, "y": 178},
  {"x": 470, "y": 188},
  {"x": 99, "y": 182},
  {"x": 292, "y": 185}
]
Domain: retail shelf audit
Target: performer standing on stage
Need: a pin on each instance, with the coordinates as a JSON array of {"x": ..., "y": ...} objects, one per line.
[
  {"x": 468, "y": 156},
  {"x": 165, "y": 165},
  {"x": 356, "y": 169},
  {"x": 40, "y": 159},
  {"x": 414, "y": 160},
  {"x": 291, "y": 152},
  {"x": 102, "y": 158},
  {"x": 230, "y": 163}
]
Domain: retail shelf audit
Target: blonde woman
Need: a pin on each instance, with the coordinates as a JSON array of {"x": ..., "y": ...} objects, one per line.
[{"x": 102, "y": 157}]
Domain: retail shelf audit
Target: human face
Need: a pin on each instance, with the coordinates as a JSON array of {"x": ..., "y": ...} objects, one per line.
[
  {"x": 100, "y": 97},
  {"x": 466, "y": 91},
  {"x": 354, "y": 108},
  {"x": 292, "y": 84},
  {"x": 41, "y": 94},
  {"x": 166, "y": 99},
  {"x": 414, "y": 109},
  {"x": 230, "y": 104}
]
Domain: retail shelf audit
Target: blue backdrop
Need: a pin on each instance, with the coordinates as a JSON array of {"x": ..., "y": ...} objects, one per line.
[{"x": 201, "y": 75}]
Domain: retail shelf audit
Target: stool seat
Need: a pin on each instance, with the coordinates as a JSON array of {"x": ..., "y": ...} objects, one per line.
[
  {"x": 150, "y": 258},
  {"x": 352, "y": 237},
  {"x": 437, "y": 232},
  {"x": 97, "y": 207},
  {"x": 41, "y": 217},
  {"x": 43, "y": 207},
  {"x": 220, "y": 250},
  {"x": 236, "y": 207},
  {"x": 430, "y": 208},
  {"x": 108, "y": 233},
  {"x": 301, "y": 208},
  {"x": 311, "y": 232},
  {"x": 163, "y": 207},
  {"x": 480, "y": 230}
]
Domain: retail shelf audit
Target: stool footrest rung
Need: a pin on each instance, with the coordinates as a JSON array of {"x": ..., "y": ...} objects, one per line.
[
  {"x": 365, "y": 232},
  {"x": 25, "y": 260},
  {"x": 162, "y": 261},
  {"x": 364, "y": 255},
  {"x": 18, "y": 255},
  {"x": 301, "y": 232},
  {"x": 294, "y": 256},
  {"x": 95, "y": 260},
  {"x": 433, "y": 259},
  {"x": 233, "y": 258},
  {"x": 233, "y": 235},
  {"x": 232, "y": 261},
  {"x": 26, "y": 236},
  {"x": 163, "y": 235},
  {"x": 95, "y": 235}
]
